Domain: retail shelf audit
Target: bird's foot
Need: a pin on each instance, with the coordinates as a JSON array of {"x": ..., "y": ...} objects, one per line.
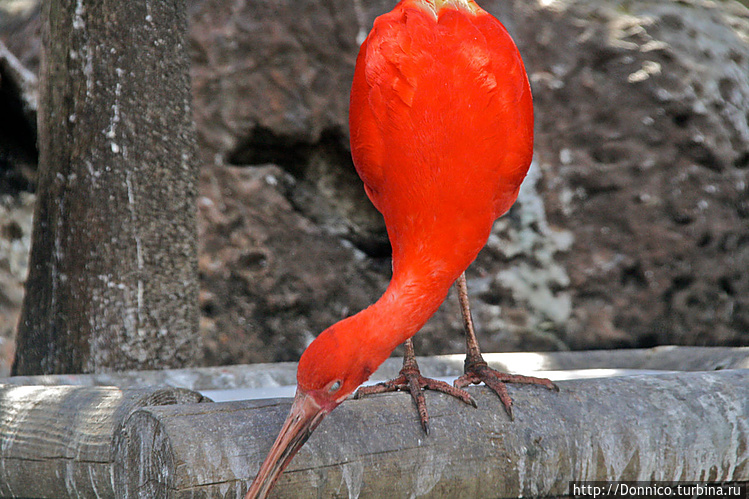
[
  {"x": 411, "y": 380},
  {"x": 477, "y": 372}
]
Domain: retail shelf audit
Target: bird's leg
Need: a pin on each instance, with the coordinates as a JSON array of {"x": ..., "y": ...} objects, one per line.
[
  {"x": 476, "y": 368},
  {"x": 410, "y": 379}
]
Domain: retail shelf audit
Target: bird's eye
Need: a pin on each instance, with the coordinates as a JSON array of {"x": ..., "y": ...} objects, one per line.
[{"x": 335, "y": 386}]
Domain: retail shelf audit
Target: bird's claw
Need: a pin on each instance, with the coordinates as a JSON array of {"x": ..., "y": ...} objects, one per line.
[
  {"x": 496, "y": 380},
  {"x": 412, "y": 381}
]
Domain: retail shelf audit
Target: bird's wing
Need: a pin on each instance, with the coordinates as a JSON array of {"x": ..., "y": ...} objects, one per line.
[
  {"x": 384, "y": 86},
  {"x": 427, "y": 88}
]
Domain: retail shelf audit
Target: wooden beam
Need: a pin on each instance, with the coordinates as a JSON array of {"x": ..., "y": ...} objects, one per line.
[
  {"x": 673, "y": 426},
  {"x": 66, "y": 441},
  {"x": 58, "y": 441}
]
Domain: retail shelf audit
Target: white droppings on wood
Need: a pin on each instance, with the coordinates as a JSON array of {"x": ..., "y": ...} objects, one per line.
[
  {"x": 428, "y": 472},
  {"x": 114, "y": 120},
  {"x": 79, "y": 24},
  {"x": 352, "y": 475},
  {"x": 520, "y": 468},
  {"x": 238, "y": 463},
  {"x": 54, "y": 264},
  {"x": 92, "y": 482},
  {"x": 70, "y": 485},
  {"x": 141, "y": 303},
  {"x": 140, "y": 296}
]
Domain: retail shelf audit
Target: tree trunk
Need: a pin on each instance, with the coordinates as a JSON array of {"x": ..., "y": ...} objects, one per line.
[{"x": 112, "y": 280}]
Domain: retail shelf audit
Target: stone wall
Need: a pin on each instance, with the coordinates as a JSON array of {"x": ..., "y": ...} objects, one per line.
[{"x": 631, "y": 230}]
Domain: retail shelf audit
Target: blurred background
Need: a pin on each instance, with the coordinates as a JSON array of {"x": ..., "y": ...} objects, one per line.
[{"x": 631, "y": 230}]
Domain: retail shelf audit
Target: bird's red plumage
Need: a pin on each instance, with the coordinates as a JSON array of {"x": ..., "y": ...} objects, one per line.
[
  {"x": 441, "y": 122},
  {"x": 441, "y": 130}
]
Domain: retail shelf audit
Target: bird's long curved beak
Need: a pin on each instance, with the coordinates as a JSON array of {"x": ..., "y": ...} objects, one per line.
[{"x": 302, "y": 420}]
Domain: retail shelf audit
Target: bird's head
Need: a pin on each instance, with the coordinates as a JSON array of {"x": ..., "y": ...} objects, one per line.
[
  {"x": 331, "y": 368},
  {"x": 336, "y": 363}
]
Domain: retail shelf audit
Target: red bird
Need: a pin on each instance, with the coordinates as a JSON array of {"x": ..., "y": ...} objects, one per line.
[{"x": 441, "y": 125}]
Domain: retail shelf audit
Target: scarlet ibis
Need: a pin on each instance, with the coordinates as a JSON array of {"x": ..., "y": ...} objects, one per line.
[{"x": 441, "y": 126}]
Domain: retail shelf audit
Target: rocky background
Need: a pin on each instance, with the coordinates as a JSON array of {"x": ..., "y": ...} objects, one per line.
[{"x": 632, "y": 229}]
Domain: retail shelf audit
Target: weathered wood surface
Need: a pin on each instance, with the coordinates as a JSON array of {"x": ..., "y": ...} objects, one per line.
[
  {"x": 58, "y": 441},
  {"x": 673, "y": 426},
  {"x": 669, "y": 358},
  {"x": 67, "y": 441}
]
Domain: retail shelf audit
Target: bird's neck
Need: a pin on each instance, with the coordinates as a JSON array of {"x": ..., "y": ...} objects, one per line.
[{"x": 407, "y": 304}]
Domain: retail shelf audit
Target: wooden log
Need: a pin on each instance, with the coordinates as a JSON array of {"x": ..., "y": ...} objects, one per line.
[
  {"x": 58, "y": 441},
  {"x": 673, "y": 426},
  {"x": 670, "y": 358}
]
